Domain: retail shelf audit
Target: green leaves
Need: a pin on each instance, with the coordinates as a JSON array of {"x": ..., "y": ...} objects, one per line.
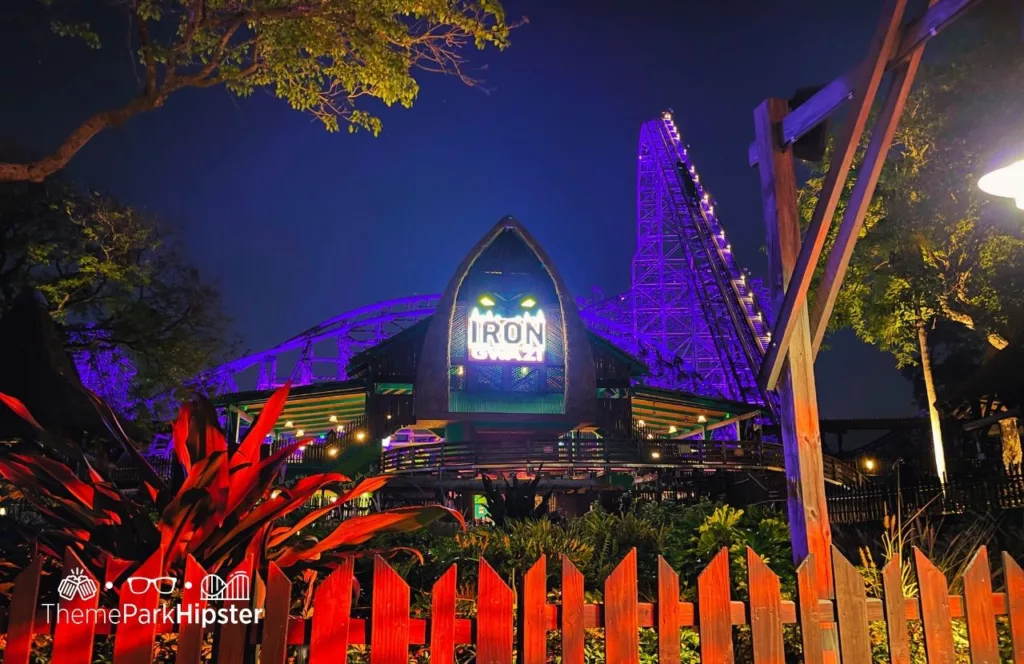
[
  {"x": 81, "y": 30},
  {"x": 934, "y": 248}
]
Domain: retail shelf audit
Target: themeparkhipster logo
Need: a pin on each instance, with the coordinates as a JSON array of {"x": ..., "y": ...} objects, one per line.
[{"x": 78, "y": 585}]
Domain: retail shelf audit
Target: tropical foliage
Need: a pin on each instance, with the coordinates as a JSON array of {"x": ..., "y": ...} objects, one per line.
[
  {"x": 230, "y": 504},
  {"x": 516, "y": 500},
  {"x": 322, "y": 57},
  {"x": 117, "y": 284}
]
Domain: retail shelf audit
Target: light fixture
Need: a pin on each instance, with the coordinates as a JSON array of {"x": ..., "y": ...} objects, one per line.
[
  {"x": 869, "y": 464},
  {"x": 702, "y": 419},
  {"x": 1007, "y": 182},
  {"x": 302, "y": 448},
  {"x": 641, "y": 423},
  {"x": 655, "y": 454},
  {"x": 528, "y": 303},
  {"x": 389, "y": 416},
  {"x": 332, "y": 418},
  {"x": 460, "y": 370},
  {"x": 275, "y": 493},
  {"x": 334, "y": 499},
  {"x": 650, "y": 436},
  {"x": 289, "y": 424},
  {"x": 672, "y": 428},
  {"x": 300, "y": 433},
  {"x": 3, "y": 511},
  {"x": 486, "y": 300},
  {"x": 360, "y": 435},
  {"x": 332, "y": 451},
  {"x": 340, "y": 429}
]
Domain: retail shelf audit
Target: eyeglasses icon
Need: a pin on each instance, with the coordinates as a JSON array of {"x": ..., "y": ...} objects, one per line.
[{"x": 164, "y": 585}]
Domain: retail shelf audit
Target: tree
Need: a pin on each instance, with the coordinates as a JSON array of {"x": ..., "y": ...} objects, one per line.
[
  {"x": 932, "y": 248},
  {"x": 320, "y": 56},
  {"x": 116, "y": 284}
]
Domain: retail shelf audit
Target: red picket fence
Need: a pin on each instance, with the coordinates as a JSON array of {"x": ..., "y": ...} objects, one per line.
[{"x": 390, "y": 631}]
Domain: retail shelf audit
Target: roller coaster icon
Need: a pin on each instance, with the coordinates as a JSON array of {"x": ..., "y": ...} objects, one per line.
[{"x": 235, "y": 588}]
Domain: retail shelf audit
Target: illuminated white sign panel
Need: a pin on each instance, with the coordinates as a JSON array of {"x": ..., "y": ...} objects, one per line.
[{"x": 512, "y": 339}]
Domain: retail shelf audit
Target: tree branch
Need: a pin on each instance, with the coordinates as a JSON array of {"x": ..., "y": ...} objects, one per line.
[{"x": 36, "y": 171}]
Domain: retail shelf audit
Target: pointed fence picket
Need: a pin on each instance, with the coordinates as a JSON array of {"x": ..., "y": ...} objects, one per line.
[{"x": 383, "y": 624}]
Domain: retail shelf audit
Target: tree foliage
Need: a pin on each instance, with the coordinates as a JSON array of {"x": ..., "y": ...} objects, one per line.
[
  {"x": 934, "y": 247},
  {"x": 114, "y": 280},
  {"x": 323, "y": 57}
]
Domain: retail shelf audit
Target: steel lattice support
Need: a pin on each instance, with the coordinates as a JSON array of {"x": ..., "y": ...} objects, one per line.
[{"x": 689, "y": 296}]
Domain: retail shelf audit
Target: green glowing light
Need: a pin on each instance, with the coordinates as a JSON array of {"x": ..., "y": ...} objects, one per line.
[
  {"x": 486, "y": 301},
  {"x": 528, "y": 303}
]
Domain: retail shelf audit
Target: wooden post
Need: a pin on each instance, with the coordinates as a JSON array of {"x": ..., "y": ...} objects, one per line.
[{"x": 801, "y": 437}]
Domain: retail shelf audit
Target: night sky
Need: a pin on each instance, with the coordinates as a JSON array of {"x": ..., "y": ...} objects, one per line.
[{"x": 298, "y": 225}]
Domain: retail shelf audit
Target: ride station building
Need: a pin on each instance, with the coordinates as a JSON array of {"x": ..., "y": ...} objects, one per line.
[{"x": 504, "y": 378}]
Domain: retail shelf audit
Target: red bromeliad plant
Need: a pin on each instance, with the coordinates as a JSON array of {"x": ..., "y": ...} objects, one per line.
[{"x": 228, "y": 506}]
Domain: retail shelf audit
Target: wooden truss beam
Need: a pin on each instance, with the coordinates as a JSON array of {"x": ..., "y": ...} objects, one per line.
[
  {"x": 891, "y": 48},
  {"x": 868, "y": 80}
]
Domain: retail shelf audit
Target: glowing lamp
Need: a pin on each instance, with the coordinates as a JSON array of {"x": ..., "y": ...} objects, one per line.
[
  {"x": 1007, "y": 182},
  {"x": 332, "y": 451},
  {"x": 289, "y": 424},
  {"x": 655, "y": 454},
  {"x": 702, "y": 419},
  {"x": 300, "y": 433},
  {"x": 340, "y": 429},
  {"x": 672, "y": 428},
  {"x": 360, "y": 435},
  {"x": 528, "y": 303},
  {"x": 641, "y": 423},
  {"x": 486, "y": 301},
  {"x": 332, "y": 418},
  {"x": 869, "y": 464}
]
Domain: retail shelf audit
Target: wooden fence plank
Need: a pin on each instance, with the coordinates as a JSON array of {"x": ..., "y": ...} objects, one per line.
[
  {"x": 494, "y": 618},
  {"x": 231, "y": 643},
  {"x": 21, "y": 621},
  {"x": 935, "y": 615},
  {"x": 389, "y": 621},
  {"x": 896, "y": 612},
  {"x": 621, "y": 618},
  {"x": 533, "y": 604},
  {"x": 190, "y": 634},
  {"x": 73, "y": 641},
  {"x": 1014, "y": 578},
  {"x": 715, "y": 611},
  {"x": 442, "y": 618},
  {"x": 981, "y": 617},
  {"x": 332, "y": 609},
  {"x": 765, "y": 611},
  {"x": 808, "y": 603},
  {"x": 274, "y": 642},
  {"x": 668, "y": 613},
  {"x": 572, "y": 613},
  {"x": 133, "y": 642},
  {"x": 851, "y": 611}
]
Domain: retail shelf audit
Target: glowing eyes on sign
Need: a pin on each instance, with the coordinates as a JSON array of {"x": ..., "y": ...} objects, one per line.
[
  {"x": 528, "y": 303},
  {"x": 486, "y": 301}
]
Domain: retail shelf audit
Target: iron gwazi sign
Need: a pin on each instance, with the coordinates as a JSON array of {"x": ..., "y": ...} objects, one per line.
[{"x": 506, "y": 339}]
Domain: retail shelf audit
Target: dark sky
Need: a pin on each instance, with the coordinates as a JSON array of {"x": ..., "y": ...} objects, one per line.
[{"x": 298, "y": 225}]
